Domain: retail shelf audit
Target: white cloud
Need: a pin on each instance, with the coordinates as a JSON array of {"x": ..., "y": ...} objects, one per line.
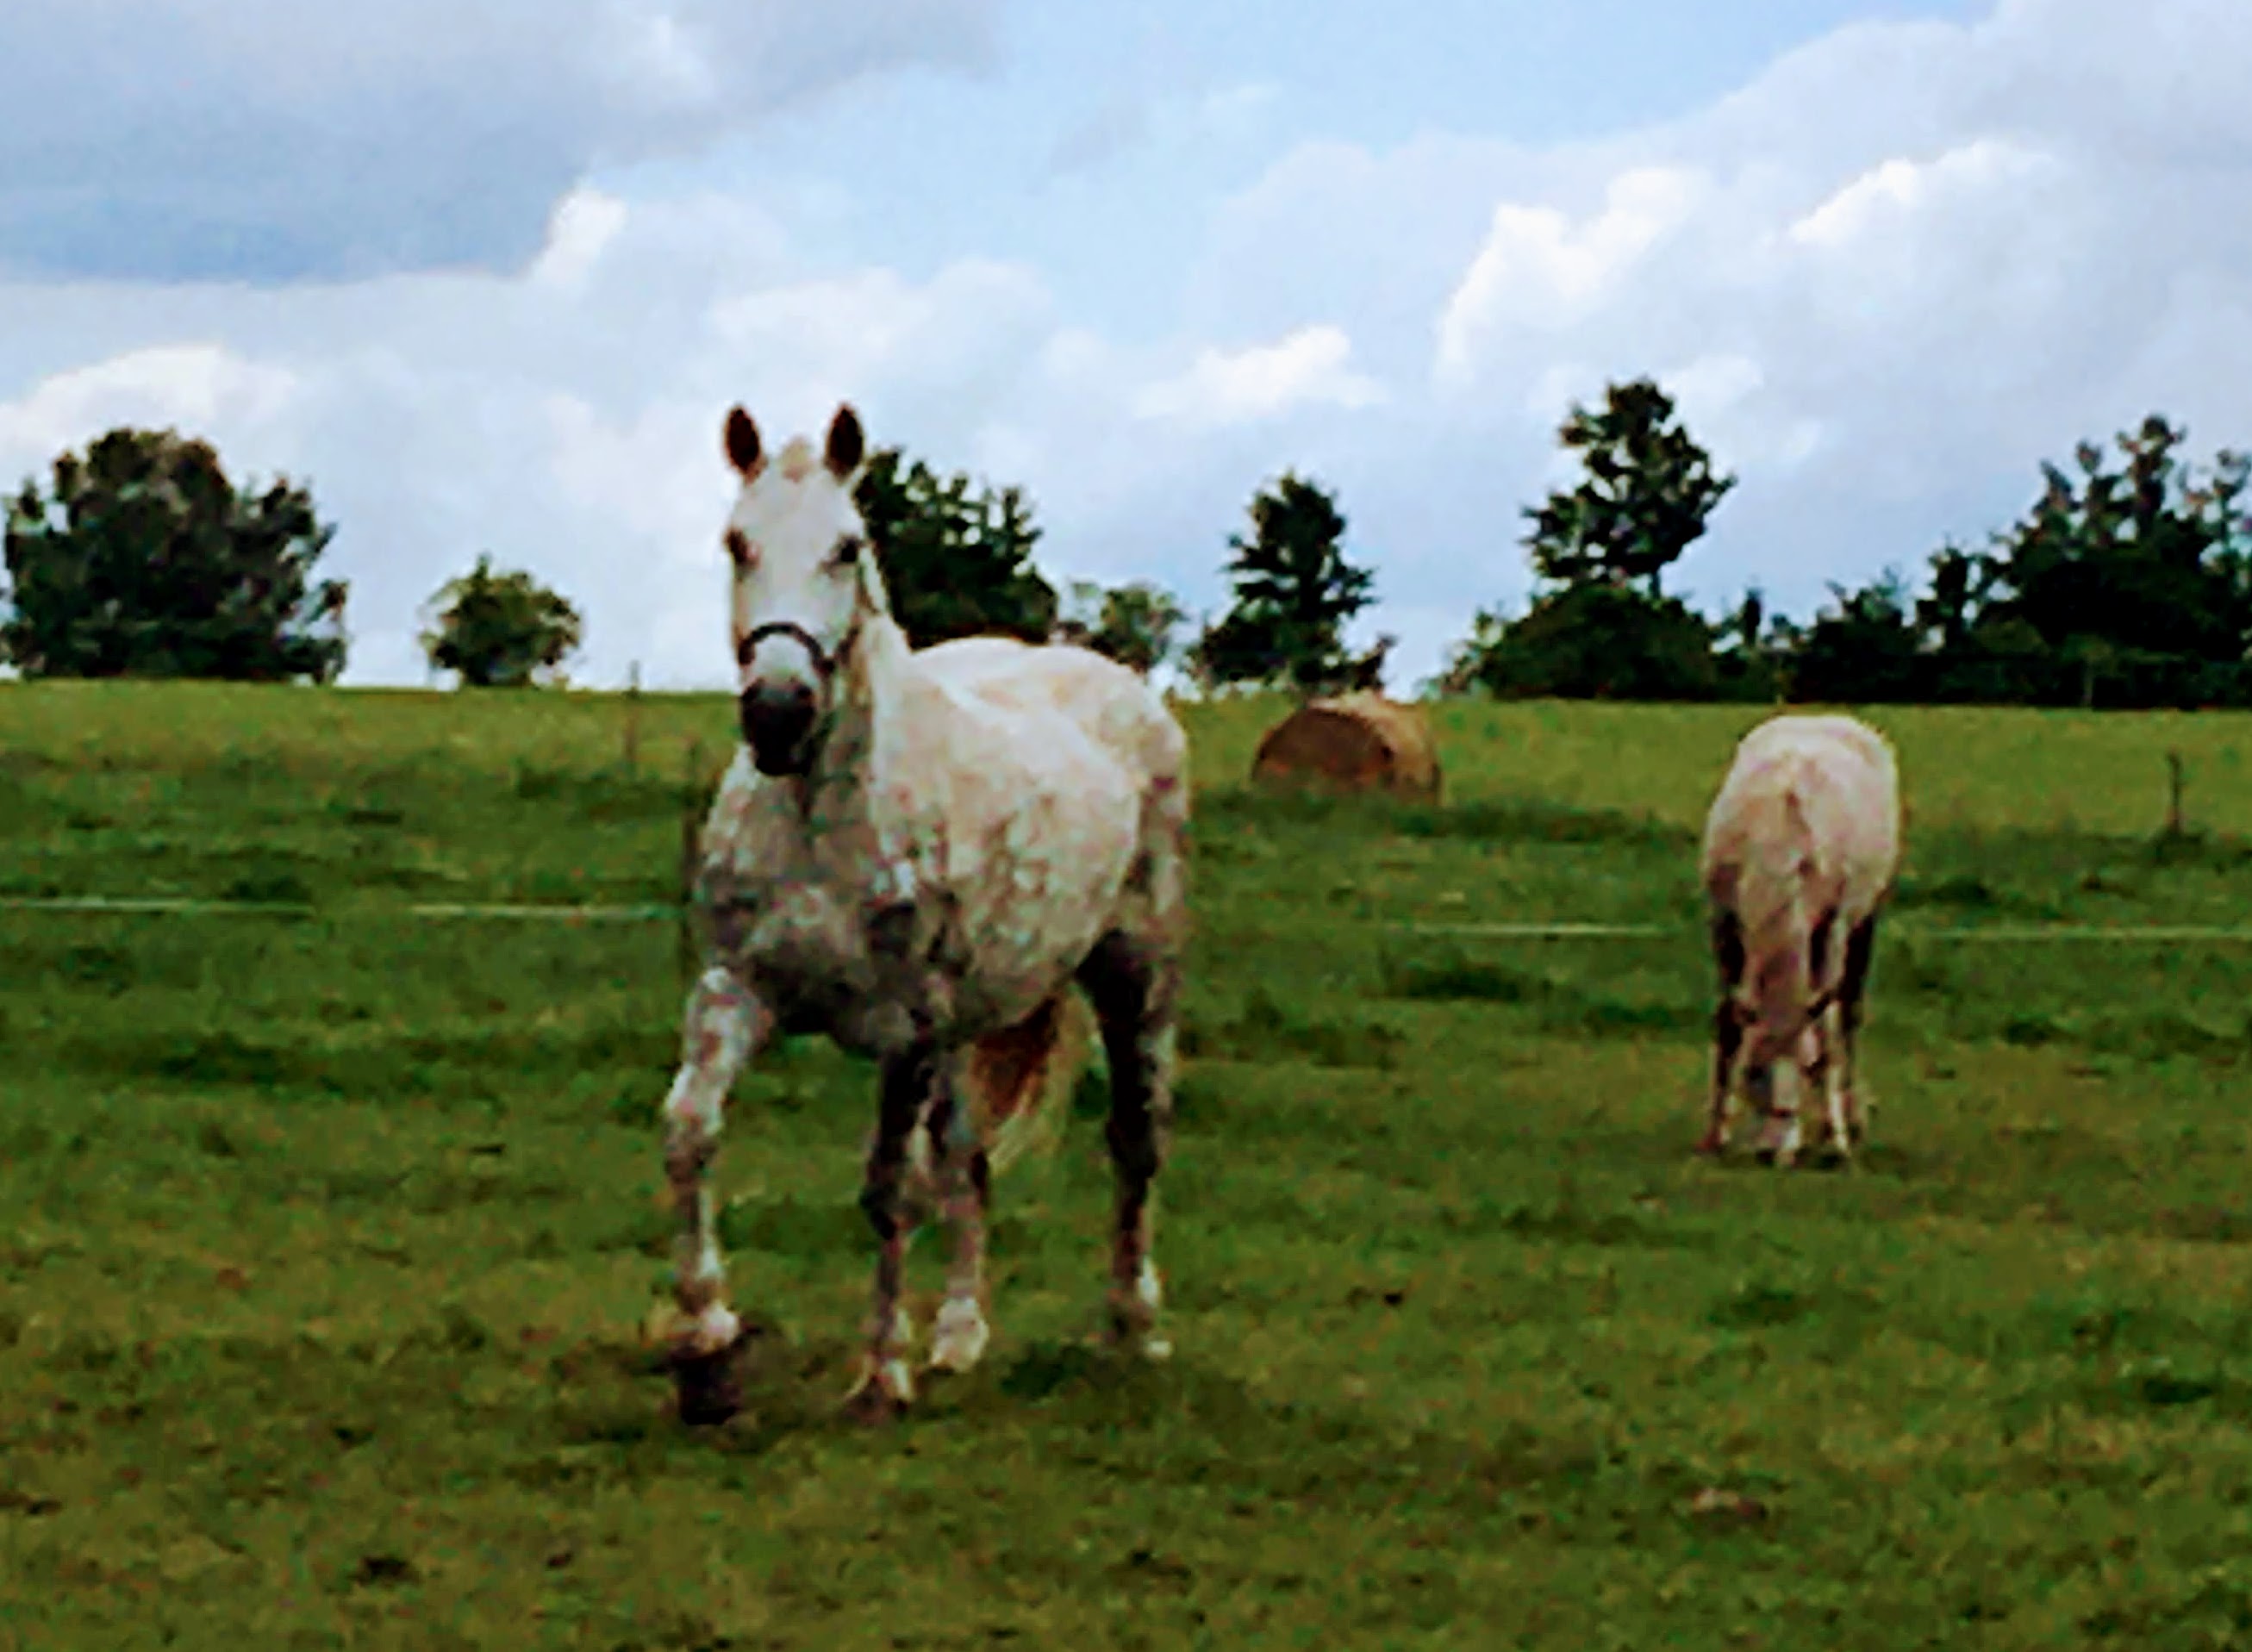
[
  {"x": 817, "y": 342},
  {"x": 1720, "y": 399},
  {"x": 584, "y": 223},
  {"x": 1897, "y": 190},
  {"x": 200, "y": 388},
  {"x": 1307, "y": 368},
  {"x": 273, "y": 141},
  {"x": 1538, "y": 269},
  {"x": 1883, "y": 280}
]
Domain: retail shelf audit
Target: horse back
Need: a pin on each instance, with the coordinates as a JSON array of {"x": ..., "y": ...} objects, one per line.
[
  {"x": 1111, "y": 704},
  {"x": 1827, "y": 784}
]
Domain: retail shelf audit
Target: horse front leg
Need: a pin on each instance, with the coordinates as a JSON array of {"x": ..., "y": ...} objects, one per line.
[
  {"x": 909, "y": 1084},
  {"x": 725, "y": 1026},
  {"x": 1783, "y": 1137}
]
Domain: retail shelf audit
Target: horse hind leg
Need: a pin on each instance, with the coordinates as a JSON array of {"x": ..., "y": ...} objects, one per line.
[
  {"x": 1133, "y": 984},
  {"x": 1727, "y": 1034},
  {"x": 1854, "y": 985},
  {"x": 907, "y": 1092},
  {"x": 1832, "y": 1067},
  {"x": 960, "y": 1332},
  {"x": 999, "y": 1098}
]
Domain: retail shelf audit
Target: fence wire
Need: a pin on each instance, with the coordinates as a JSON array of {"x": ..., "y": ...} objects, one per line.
[{"x": 502, "y": 912}]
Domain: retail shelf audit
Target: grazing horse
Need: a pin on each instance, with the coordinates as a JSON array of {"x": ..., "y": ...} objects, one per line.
[
  {"x": 920, "y": 853},
  {"x": 1800, "y": 853}
]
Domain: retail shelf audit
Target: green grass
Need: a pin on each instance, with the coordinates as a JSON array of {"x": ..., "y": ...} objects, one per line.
[{"x": 329, "y": 1238}]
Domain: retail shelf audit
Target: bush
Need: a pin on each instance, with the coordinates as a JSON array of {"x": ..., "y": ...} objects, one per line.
[{"x": 1600, "y": 642}]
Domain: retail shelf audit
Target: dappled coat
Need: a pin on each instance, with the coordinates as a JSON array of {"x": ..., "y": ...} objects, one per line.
[{"x": 1801, "y": 846}]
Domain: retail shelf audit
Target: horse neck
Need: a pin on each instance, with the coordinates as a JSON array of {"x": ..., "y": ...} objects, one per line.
[{"x": 844, "y": 789}]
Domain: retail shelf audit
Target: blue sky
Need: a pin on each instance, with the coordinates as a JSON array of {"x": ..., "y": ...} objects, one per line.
[{"x": 488, "y": 275}]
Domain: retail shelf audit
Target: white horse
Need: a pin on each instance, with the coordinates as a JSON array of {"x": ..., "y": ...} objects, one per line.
[
  {"x": 920, "y": 853},
  {"x": 1801, "y": 850}
]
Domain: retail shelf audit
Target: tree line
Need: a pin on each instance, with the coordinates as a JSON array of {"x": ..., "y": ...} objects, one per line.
[{"x": 2127, "y": 583}]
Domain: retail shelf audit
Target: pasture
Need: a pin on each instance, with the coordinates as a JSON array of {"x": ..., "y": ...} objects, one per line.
[{"x": 327, "y": 1238}]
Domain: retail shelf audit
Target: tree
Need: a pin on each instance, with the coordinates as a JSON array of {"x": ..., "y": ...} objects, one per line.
[
  {"x": 143, "y": 559},
  {"x": 1294, "y": 590},
  {"x": 1603, "y": 626},
  {"x": 499, "y": 630},
  {"x": 1593, "y": 640},
  {"x": 1134, "y": 624},
  {"x": 1864, "y": 649},
  {"x": 1648, "y": 492},
  {"x": 2136, "y": 575},
  {"x": 1750, "y": 667},
  {"x": 1945, "y": 614},
  {"x": 957, "y": 562},
  {"x": 1464, "y": 670}
]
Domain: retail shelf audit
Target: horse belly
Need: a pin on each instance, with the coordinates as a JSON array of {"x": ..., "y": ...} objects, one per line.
[
  {"x": 1029, "y": 932},
  {"x": 1012, "y": 969}
]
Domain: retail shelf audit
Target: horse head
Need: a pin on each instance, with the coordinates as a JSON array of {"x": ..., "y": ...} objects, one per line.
[{"x": 805, "y": 584}]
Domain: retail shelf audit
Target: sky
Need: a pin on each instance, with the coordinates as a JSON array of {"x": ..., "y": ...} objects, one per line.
[{"x": 487, "y": 274}]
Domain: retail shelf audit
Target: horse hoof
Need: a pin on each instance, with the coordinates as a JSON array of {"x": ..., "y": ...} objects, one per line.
[
  {"x": 960, "y": 1340},
  {"x": 707, "y": 1384},
  {"x": 955, "y": 1359},
  {"x": 873, "y": 1406},
  {"x": 1150, "y": 1347},
  {"x": 1710, "y": 1147},
  {"x": 884, "y": 1392},
  {"x": 1134, "y": 1334}
]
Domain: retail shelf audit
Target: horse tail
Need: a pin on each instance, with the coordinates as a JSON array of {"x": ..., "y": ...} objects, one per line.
[
  {"x": 1778, "y": 845},
  {"x": 1018, "y": 1080}
]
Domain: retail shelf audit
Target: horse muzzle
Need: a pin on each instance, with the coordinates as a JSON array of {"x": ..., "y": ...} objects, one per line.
[{"x": 777, "y": 721}]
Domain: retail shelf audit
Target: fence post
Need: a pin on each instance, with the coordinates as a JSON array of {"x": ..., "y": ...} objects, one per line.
[
  {"x": 633, "y": 717},
  {"x": 691, "y": 840},
  {"x": 2173, "y": 795}
]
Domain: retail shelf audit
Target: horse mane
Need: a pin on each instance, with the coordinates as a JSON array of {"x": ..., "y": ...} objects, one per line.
[{"x": 797, "y": 459}]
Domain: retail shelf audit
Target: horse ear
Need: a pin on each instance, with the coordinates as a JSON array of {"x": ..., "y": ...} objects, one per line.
[
  {"x": 742, "y": 437},
  {"x": 846, "y": 446}
]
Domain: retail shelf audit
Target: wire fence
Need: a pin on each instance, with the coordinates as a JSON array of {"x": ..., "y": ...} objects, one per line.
[
  {"x": 190, "y": 907},
  {"x": 670, "y": 913}
]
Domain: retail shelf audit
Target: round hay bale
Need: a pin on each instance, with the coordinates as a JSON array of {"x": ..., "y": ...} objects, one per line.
[{"x": 1357, "y": 742}]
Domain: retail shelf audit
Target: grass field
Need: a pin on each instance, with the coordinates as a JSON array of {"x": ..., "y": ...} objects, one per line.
[{"x": 327, "y": 1239}]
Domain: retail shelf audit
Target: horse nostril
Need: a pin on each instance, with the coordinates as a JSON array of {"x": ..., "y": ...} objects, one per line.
[
  {"x": 776, "y": 720},
  {"x": 781, "y": 703}
]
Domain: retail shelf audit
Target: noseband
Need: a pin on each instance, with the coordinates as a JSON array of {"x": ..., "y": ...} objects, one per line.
[{"x": 824, "y": 663}]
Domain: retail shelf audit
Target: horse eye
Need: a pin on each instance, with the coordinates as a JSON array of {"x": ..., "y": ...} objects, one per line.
[
  {"x": 739, "y": 547},
  {"x": 848, "y": 551}
]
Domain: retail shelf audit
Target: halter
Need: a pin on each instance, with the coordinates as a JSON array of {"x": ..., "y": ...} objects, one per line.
[{"x": 824, "y": 663}]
